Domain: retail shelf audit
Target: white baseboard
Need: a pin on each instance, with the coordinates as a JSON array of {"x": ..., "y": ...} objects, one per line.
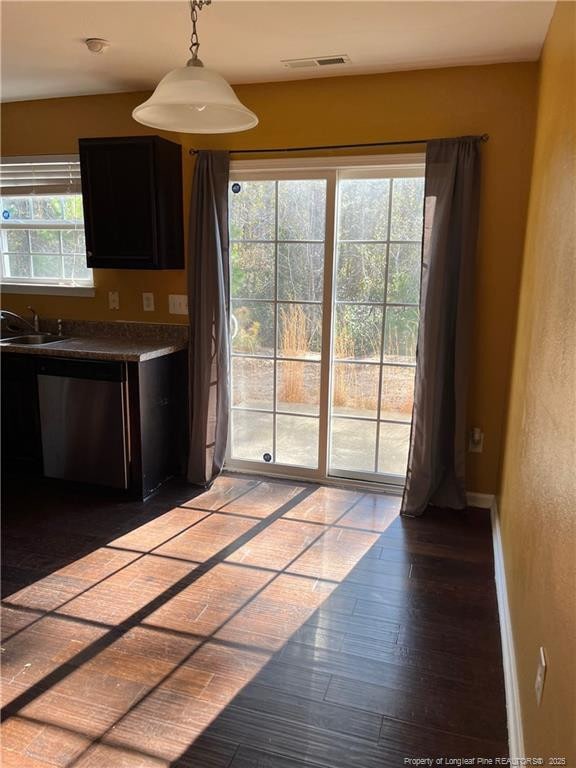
[
  {"x": 513, "y": 709},
  {"x": 482, "y": 500}
]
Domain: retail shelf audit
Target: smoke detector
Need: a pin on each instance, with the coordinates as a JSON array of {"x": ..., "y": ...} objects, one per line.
[
  {"x": 96, "y": 44},
  {"x": 316, "y": 61}
]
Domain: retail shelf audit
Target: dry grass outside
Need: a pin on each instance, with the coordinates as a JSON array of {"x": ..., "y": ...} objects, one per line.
[
  {"x": 398, "y": 391},
  {"x": 356, "y": 388},
  {"x": 354, "y": 385},
  {"x": 345, "y": 377},
  {"x": 294, "y": 342}
]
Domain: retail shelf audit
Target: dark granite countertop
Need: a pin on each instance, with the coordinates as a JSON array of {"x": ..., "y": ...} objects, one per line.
[
  {"x": 130, "y": 350},
  {"x": 130, "y": 342}
]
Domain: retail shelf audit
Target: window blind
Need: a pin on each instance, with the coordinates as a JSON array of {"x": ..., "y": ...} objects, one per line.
[{"x": 40, "y": 174}]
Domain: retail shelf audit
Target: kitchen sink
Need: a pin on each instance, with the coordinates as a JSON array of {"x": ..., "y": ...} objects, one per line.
[{"x": 34, "y": 338}]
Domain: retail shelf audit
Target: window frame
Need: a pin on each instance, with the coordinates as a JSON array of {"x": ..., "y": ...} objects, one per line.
[{"x": 59, "y": 286}]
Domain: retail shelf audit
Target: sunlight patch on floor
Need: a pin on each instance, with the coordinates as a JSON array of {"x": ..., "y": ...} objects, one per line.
[{"x": 187, "y": 607}]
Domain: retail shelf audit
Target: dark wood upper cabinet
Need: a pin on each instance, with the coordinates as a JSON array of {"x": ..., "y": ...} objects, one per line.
[{"x": 132, "y": 195}]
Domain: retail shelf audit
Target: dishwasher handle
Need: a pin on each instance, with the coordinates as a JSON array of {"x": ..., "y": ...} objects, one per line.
[{"x": 96, "y": 370}]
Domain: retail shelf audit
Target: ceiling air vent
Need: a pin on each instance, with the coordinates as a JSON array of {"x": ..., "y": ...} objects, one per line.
[{"x": 320, "y": 61}]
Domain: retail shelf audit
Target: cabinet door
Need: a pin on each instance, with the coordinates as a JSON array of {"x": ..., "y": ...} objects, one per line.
[
  {"x": 21, "y": 448},
  {"x": 119, "y": 204}
]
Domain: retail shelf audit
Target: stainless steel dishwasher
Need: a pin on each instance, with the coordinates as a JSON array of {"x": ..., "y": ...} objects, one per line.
[{"x": 83, "y": 421}]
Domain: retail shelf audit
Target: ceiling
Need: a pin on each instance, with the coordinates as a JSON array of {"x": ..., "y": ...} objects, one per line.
[{"x": 43, "y": 54}]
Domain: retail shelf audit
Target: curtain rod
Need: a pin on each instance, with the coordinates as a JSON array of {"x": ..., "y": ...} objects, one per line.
[{"x": 484, "y": 137}]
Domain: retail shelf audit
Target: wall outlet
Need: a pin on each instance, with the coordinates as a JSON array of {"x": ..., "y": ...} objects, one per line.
[
  {"x": 540, "y": 677},
  {"x": 476, "y": 440},
  {"x": 178, "y": 304},
  {"x": 148, "y": 302},
  {"x": 113, "y": 300}
]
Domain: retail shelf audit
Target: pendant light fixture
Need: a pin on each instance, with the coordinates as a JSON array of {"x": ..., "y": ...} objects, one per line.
[{"x": 193, "y": 99}]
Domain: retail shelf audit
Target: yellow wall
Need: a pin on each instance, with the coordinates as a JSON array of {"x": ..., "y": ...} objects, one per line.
[
  {"x": 499, "y": 100},
  {"x": 538, "y": 501}
]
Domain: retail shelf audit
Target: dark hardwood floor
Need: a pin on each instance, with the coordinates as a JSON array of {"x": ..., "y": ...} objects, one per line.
[{"x": 264, "y": 624}]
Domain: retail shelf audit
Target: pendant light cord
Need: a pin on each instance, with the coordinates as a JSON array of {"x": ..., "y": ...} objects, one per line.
[{"x": 195, "y": 6}]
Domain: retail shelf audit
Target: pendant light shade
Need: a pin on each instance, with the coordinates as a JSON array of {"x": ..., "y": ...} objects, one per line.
[
  {"x": 192, "y": 99},
  {"x": 195, "y": 100}
]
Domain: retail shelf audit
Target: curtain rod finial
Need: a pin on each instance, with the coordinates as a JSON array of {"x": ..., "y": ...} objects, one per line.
[{"x": 484, "y": 138}]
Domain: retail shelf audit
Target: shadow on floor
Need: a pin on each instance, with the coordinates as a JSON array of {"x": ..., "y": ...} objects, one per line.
[
  {"x": 47, "y": 524},
  {"x": 261, "y": 624}
]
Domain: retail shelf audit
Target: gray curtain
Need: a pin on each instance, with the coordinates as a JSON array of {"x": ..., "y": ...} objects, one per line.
[
  {"x": 436, "y": 462},
  {"x": 209, "y": 310}
]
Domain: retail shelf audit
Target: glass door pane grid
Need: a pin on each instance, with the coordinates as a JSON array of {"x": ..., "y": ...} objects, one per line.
[
  {"x": 299, "y": 414},
  {"x": 275, "y": 358},
  {"x": 286, "y": 242},
  {"x": 275, "y": 347},
  {"x": 381, "y": 363},
  {"x": 297, "y": 359},
  {"x": 316, "y": 360},
  {"x": 383, "y": 330},
  {"x": 284, "y": 301},
  {"x": 372, "y": 303},
  {"x": 384, "y": 364},
  {"x": 379, "y": 242},
  {"x": 323, "y": 361},
  {"x": 280, "y": 358},
  {"x": 348, "y": 417}
]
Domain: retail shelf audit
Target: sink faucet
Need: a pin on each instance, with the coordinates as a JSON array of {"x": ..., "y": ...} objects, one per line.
[
  {"x": 6, "y": 315},
  {"x": 35, "y": 319}
]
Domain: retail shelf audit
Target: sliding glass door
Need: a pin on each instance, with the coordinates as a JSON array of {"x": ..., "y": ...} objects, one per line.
[
  {"x": 325, "y": 271},
  {"x": 378, "y": 257},
  {"x": 278, "y": 245}
]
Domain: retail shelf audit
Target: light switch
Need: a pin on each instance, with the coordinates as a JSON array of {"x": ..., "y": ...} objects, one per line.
[
  {"x": 178, "y": 304},
  {"x": 113, "y": 300},
  {"x": 148, "y": 302}
]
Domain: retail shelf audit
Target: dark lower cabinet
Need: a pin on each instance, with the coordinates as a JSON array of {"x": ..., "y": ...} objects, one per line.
[
  {"x": 21, "y": 446},
  {"x": 158, "y": 421},
  {"x": 114, "y": 424}
]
